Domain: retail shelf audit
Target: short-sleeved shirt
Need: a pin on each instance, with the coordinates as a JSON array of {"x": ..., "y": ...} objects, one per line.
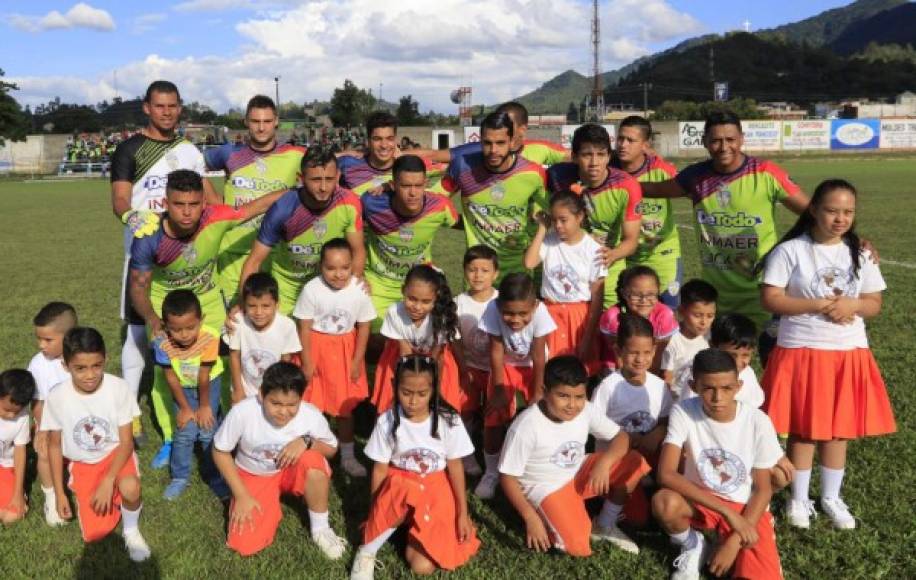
[
  {"x": 47, "y": 373},
  {"x": 399, "y": 326},
  {"x": 13, "y": 432},
  {"x": 545, "y": 455},
  {"x": 359, "y": 176},
  {"x": 259, "y": 442},
  {"x": 89, "y": 422},
  {"x": 570, "y": 269},
  {"x": 658, "y": 235},
  {"x": 187, "y": 361},
  {"x": 497, "y": 207},
  {"x": 664, "y": 324},
  {"x": 678, "y": 358},
  {"x": 251, "y": 174},
  {"x": 396, "y": 243},
  {"x": 718, "y": 456},
  {"x": 736, "y": 224},
  {"x": 636, "y": 408},
  {"x": 539, "y": 151},
  {"x": 476, "y": 342},
  {"x": 750, "y": 393},
  {"x": 816, "y": 271},
  {"x": 297, "y": 233},
  {"x": 517, "y": 343},
  {"x": 258, "y": 349},
  {"x": 334, "y": 311},
  {"x": 415, "y": 449}
]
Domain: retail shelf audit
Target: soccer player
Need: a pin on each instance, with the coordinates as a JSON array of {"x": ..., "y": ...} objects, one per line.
[
  {"x": 252, "y": 170},
  {"x": 181, "y": 254},
  {"x": 734, "y": 196},
  {"x": 659, "y": 245},
  {"x": 301, "y": 221},
  {"x": 360, "y": 174},
  {"x": 500, "y": 192},
  {"x": 139, "y": 168},
  {"x": 611, "y": 199}
]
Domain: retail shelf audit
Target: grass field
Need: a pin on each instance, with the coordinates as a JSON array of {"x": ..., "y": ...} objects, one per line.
[{"x": 59, "y": 241}]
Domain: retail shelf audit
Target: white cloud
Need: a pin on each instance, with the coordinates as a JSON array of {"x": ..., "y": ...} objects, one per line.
[
  {"x": 147, "y": 22},
  {"x": 220, "y": 5},
  {"x": 81, "y": 15}
]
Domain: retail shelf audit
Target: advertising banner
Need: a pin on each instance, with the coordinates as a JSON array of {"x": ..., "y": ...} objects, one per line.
[
  {"x": 797, "y": 135},
  {"x": 761, "y": 135},
  {"x": 690, "y": 135},
  {"x": 855, "y": 133},
  {"x": 895, "y": 134}
]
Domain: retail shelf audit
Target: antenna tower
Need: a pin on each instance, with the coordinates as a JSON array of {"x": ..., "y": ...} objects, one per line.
[{"x": 595, "y": 107}]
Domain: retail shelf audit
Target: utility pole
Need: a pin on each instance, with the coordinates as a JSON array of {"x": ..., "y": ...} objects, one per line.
[
  {"x": 712, "y": 71},
  {"x": 380, "y": 85},
  {"x": 277, "y": 93}
]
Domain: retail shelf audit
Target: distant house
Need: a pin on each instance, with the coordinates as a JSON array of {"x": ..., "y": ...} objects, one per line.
[
  {"x": 904, "y": 105},
  {"x": 782, "y": 110}
]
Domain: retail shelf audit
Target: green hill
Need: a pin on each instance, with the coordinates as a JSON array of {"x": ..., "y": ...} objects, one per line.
[
  {"x": 829, "y": 25},
  {"x": 894, "y": 26}
]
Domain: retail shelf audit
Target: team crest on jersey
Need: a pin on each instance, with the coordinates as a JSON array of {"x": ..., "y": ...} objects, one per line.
[
  {"x": 566, "y": 276},
  {"x": 260, "y": 165},
  {"x": 189, "y": 253},
  {"x": 320, "y": 228},
  {"x": 171, "y": 160},
  {"x": 91, "y": 433},
  {"x": 721, "y": 470},
  {"x": 406, "y": 234},
  {"x": 638, "y": 422},
  {"x": 568, "y": 455},
  {"x": 498, "y": 191},
  {"x": 267, "y": 454},
  {"x": 833, "y": 281},
  {"x": 419, "y": 460},
  {"x": 256, "y": 361},
  {"x": 724, "y": 197},
  {"x": 338, "y": 320}
]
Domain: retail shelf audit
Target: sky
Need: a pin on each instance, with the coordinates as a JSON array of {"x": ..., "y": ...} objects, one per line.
[{"x": 221, "y": 52}]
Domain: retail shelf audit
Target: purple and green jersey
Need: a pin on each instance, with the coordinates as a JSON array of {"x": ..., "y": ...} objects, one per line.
[
  {"x": 357, "y": 175},
  {"x": 736, "y": 223}
]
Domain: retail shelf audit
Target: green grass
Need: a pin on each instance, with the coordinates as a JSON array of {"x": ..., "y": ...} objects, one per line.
[{"x": 60, "y": 242}]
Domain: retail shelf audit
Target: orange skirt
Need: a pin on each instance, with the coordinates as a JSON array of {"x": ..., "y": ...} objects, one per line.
[
  {"x": 571, "y": 319},
  {"x": 7, "y": 483},
  {"x": 449, "y": 380},
  {"x": 427, "y": 506},
  {"x": 519, "y": 381},
  {"x": 331, "y": 389},
  {"x": 826, "y": 394},
  {"x": 474, "y": 390},
  {"x": 84, "y": 481}
]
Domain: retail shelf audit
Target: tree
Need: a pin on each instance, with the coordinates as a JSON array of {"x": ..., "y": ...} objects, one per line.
[
  {"x": 408, "y": 112},
  {"x": 350, "y": 105},
  {"x": 13, "y": 122},
  {"x": 572, "y": 113}
]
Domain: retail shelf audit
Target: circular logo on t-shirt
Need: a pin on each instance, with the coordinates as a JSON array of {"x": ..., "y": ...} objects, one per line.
[
  {"x": 338, "y": 320},
  {"x": 564, "y": 277},
  {"x": 638, "y": 422},
  {"x": 419, "y": 460},
  {"x": 568, "y": 455},
  {"x": 91, "y": 433},
  {"x": 833, "y": 281},
  {"x": 256, "y": 361},
  {"x": 267, "y": 454},
  {"x": 721, "y": 470}
]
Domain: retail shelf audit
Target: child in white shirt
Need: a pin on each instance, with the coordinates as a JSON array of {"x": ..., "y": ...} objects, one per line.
[
  {"x": 17, "y": 388},
  {"x": 696, "y": 312},
  {"x": 281, "y": 445}
]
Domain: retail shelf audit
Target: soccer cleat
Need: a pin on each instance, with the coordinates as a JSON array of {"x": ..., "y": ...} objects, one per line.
[
  {"x": 615, "y": 536},
  {"x": 486, "y": 487},
  {"x": 137, "y": 548},
  {"x": 800, "y": 512},
  {"x": 353, "y": 467},
  {"x": 175, "y": 488},
  {"x": 363, "y": 566},
  {"x": 332, "y": 545},
  {"x": 690, "y": 562},
  {"x": 162, "y": 456},
  {"x": 51, "y": 516},
  {"x": 838, "y": 512},
  {"x": 471, "y": 467}
]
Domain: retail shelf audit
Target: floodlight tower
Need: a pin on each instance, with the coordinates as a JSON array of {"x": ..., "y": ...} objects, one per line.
[{"x": 597, "y": 97}]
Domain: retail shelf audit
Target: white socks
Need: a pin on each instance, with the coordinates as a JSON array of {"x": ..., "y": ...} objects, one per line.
[
  {"x": 318, "y": 521},
  {"x": 375, "y": 545},
  {"x": 831, "y": 481},
  {"x": 50, "y": 498},
  {"x": 132, "y": 361},
  {"x": 347, "y": 450},
  {"x": 800, "y": 484},
  {"x": 686, "y": 539},
  {"x": 610, "y": 512},
  {"x": 492, "y": 462},
  {"x": 130, "y": 519}
]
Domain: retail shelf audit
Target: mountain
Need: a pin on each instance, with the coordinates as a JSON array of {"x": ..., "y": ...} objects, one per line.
[
  {"x": 894, "y": 26},
  {"x": 827, "y": 26}
]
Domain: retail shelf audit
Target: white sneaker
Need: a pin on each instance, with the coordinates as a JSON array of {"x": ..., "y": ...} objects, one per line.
[
  {"x": 363, "y": 566},
  {"x": 137, "y": 548},
  {"x": 800, "y": 512},
  {"x": 690, "y": 562},
  {"x": 838, "y": 512},
  {"x": 486, "y": 487},
  {"x": 51, "y": 516},
  {"x": 332, "y": 545},
  {"x": 615, "y": 536},
  {"x": 353, "y": 467},
  {"x": 471, "y": 467}
]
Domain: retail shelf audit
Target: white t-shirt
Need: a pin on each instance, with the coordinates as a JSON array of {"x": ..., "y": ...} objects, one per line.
[
  {"x": 750, "y": 393},
  {"x": 415, "y": 449},
  {"x": 47, "y": 374},
  {"x": 517, "y": 343},
  {"x": 546, "y": 455},
  {"x": 636, "y": 408},
  {"x": 476, "y": 342},
  {"x": 570, "y": 269},
  {"x": 89, "y": 422},
  {"x": 259, "y": 442},
  {"x": 261, "y": 348},
  {"x": 809, "y": 270},
  {"x": 334, "y": 311},
  {"x": 399, "y": 326},
  {"x": 720, "y": 456},
  {"x": 13, "y": 432},
  {"x": 678, "y": 358}
]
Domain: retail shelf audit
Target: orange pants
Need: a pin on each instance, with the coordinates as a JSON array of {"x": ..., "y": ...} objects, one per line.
[
  {"x": 564, "y": 510},
  {"x": 266, "y": 489},
  {"x": 760, "y": 561},
  {"x": 427, "y": 506},
  {"x": 517, "y": 381},
  {"x": 383, "y": 393},
  {"x": 331, "y": 389},
  {"x": 7, "y": 483},
  {"x": 84, "y": 481},
  {"x": 571, "y": 319}
]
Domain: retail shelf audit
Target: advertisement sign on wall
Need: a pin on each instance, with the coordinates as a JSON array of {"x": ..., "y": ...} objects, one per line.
[
  {"x": 855, "y": 133},
  {"x": 761, "y": 135},
  {"x": 797, "y": 135},
  {"x": 690, "y": 135},
  {"x": 898, "y": 134}
]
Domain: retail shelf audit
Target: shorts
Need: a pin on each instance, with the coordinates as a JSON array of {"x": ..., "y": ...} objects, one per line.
[
  {"x": 84, "y": 480},
  {"x": 7, "y": 483}
]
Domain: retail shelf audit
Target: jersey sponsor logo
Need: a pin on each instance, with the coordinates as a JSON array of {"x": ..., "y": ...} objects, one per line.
[
  {"x": 153, "y": 183},
  {"x": 566, "y": 277},
  {"x": 497, "y": 211},
  {"x": 91, "y": 433},
  {"x": 739, "y": 263},
  {"x": 419, "y": 460},
  {"x": 568, "y": 455},
  {"x": 737, "y": 242},
  {"x": 267, "y": 454},
  {"x": 255, "y": 184},
  {"x": 648, "y": 207},
  {"x": 833, "y": 281},
  {"x": 256, "y": 361},
  {"x": 721, "y": 470},
  {"x": 728, "y": 220},
  {"x": 395, "y": 250},
  {"x": 638, "y": 422},
  {"x": 305, "y": 249}
]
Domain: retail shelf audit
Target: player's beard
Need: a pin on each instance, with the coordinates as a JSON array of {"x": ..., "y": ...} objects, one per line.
[{"x": 502, "y": 161}]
